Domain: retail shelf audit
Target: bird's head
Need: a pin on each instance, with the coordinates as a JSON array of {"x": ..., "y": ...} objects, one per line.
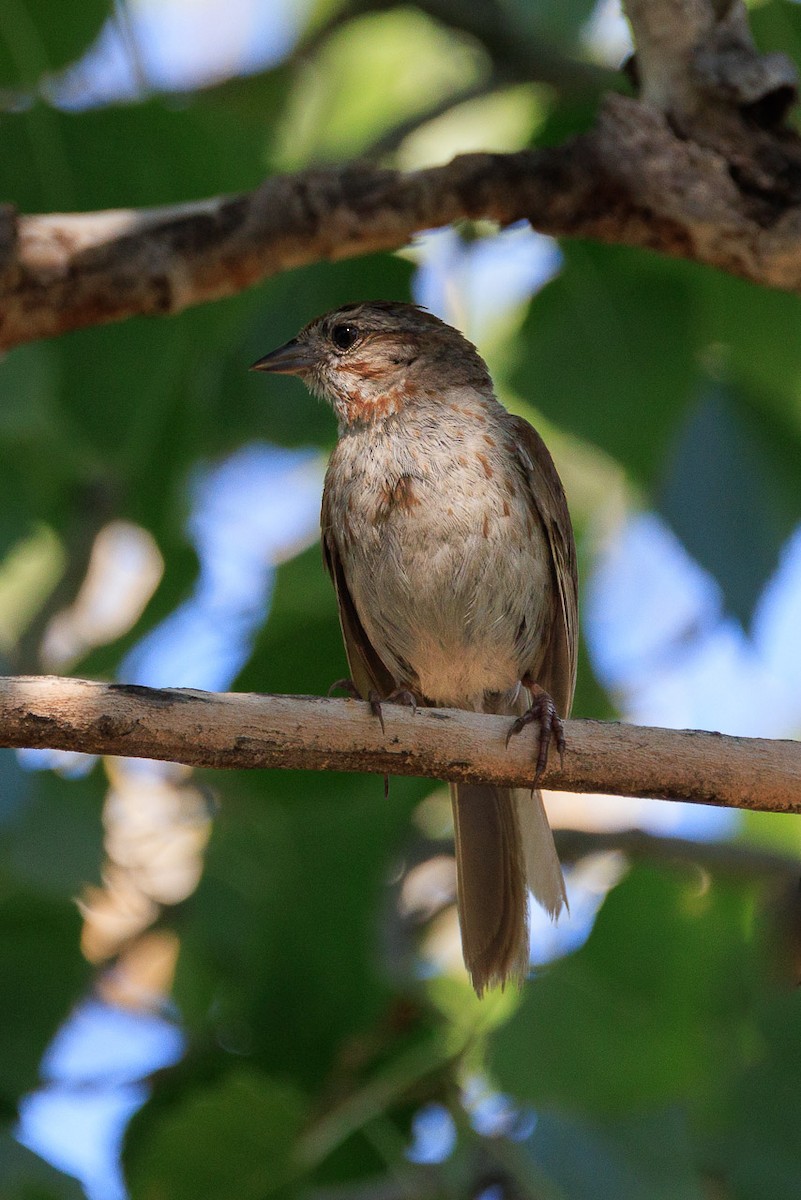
[{"x": 372, "y": 360}]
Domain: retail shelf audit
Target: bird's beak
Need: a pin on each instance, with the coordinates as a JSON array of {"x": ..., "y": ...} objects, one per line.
[{"x": 292, "y": 359}]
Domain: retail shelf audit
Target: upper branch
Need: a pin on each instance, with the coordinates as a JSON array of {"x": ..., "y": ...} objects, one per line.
[
  {"x": 229, "y": 730},
  {"x": 701, "y": 167}
]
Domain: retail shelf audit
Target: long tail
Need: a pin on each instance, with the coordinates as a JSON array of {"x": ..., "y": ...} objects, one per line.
[{"x": 504, "y": 846}]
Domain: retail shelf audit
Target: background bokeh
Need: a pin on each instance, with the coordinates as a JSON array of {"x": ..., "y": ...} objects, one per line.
[{"x": 247, "y": 985}]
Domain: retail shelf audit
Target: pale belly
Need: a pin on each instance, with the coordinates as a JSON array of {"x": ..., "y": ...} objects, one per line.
[{"x": 454, "y": 600}]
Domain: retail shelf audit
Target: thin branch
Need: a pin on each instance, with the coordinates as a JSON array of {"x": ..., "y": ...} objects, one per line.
[
  {"x": 740, "y": 859},
  {"x": 391, "y": 138},
  {"x": 207, "y": 729},
  {"x": 518, "y": 52},
  {"x": 517, "y": 47}
]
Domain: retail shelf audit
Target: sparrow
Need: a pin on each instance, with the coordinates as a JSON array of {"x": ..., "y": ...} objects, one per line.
[{"x": 446, "y": 532}]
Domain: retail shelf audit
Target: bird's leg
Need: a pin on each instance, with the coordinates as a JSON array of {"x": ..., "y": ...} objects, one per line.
[
  {"x": 542, "y": 709},
  {"x": 346, "y": 685}
]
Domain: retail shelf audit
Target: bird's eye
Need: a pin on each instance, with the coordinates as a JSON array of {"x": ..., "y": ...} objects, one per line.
[{"x": 344, "y": 336}]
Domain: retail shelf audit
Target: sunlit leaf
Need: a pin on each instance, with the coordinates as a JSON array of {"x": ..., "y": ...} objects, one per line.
[{"x": 365, "y": 79}]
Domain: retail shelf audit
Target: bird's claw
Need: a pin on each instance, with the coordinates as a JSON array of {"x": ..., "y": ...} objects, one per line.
[
  {"x": 401, "y": 695},
  {"x": 543, "y": 710},
  {"x": 374, "y": 700}
]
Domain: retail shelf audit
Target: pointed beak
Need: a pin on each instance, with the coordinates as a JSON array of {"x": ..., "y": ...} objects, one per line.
[{"x": 292, "y": 359}]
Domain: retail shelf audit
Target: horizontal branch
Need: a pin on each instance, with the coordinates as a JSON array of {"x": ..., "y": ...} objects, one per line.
[
  {"x": 206, "y": 729},
  {"x": 730, "y": 198}
]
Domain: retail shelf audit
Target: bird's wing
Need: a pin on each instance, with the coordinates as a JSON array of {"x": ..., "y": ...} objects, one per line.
[
  {"x": 558, "y": 672},
  {"x": 367, "y": 670}
]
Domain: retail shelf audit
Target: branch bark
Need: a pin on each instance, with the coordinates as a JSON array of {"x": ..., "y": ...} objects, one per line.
[
  {"x": 701, "y": 167},
  {"x": 206, "y": 729},
  {"x": 632, "y": 180},
  {"x": 696, "y": 59}
]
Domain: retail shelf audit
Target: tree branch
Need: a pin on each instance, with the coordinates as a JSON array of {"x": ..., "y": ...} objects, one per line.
[
  {"x": 633, "y": 179},
  {"x": 207, "y": 729},
  {"x": 518, "y": 51},
  {"x": 702, "y": 167},
  {"x": 743, "y": 860},
  {"x": 696, "y": 61}
]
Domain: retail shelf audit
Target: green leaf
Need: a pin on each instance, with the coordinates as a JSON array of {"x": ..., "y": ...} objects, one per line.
[
  {"x": 732, "y": 493},
  {"x": 746, "y": 329},
  {"x": 652, "y": 1010},
  {"x": 776, "y": 26},
  {"x": 56, "y": 841},
  {"x": 591, "y": 701},
  {"x": 296, "y": 877},
  {"x": 258, "y": 98},
  {"x": 15, "y": 786},
  {"x": 554, "y": 22},
  {"x": 364, "y": 80},
  {"x": 92, "y": 413},
  {"x": 40, "y": 35},
  {"x": 756, "y": 1152},
  {"x": 42, "y": 974},
  {"x": 126, "y": 156},
  {"x": 35, "y": 451},
  {"x": 635, "y": 1158},
  {"x": 281, "y": 954},
  {"x": 233, "y": 1140},
  {"x": 300, "y": 650},
  {"x": 607, "y": 351},
  {"x": 25, "y": 1176}
]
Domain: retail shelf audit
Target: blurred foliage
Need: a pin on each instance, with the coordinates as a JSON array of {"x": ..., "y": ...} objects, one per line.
[
  {"x": 38, "y": 36},
  {"x": 662, "y": 1058}
]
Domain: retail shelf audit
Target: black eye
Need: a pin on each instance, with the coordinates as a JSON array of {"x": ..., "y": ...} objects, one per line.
[{"x": 344, "y": 336}]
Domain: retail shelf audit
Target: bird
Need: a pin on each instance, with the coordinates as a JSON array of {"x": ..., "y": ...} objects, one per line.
[{"x": 447, "y": 535}]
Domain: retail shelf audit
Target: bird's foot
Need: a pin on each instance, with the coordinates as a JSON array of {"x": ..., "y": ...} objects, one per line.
[
  {"x": 401, "y": 695},
  {"x": 345, "y": 685},
  {"x": 542, "y": 709}
]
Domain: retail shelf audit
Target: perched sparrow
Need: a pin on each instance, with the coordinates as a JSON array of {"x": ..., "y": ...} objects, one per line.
[{"x": 447, "y": 535}]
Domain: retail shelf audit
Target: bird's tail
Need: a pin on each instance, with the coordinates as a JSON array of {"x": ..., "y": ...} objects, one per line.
[{"x": 504, "y": 846}]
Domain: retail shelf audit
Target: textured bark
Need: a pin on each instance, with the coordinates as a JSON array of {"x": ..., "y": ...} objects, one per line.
[
  {"x": 205, "y": 729},
  {"x": 696, "y": 60},
  {"x": 701, "y": 167}
]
